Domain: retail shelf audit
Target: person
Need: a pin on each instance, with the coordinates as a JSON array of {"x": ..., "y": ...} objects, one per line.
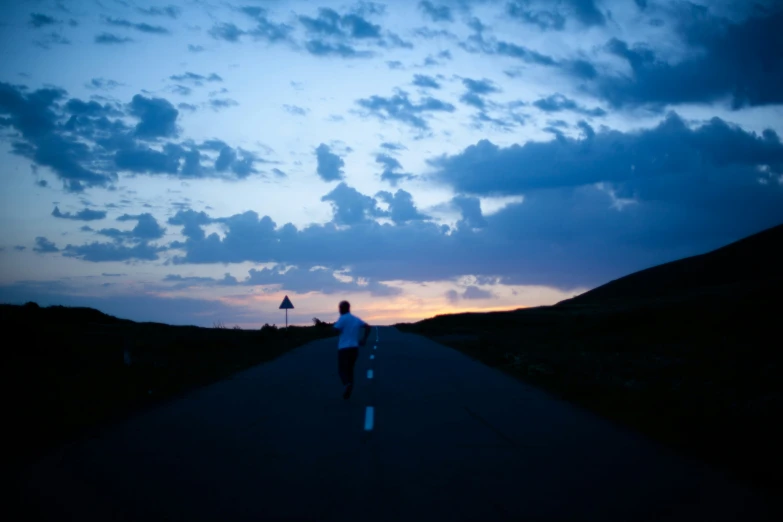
[{"x": 351, "y": 338}]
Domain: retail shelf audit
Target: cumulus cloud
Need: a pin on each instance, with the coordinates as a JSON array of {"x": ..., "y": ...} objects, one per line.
[
  {"x": 97, "y": 252},
  {"x": 392, "y": 169},
  {"x": 196, "y": 79},
  {"x": 330, "y": 165},
  {"x": 553, "y": 15},
  {"x": 351, "y": 207},
  {"x": 142, "y": 27},
  {"x": 557, "y": 102},
  {"x": 424, "y": 81},
  {"x": 399, "y": 107},
  {"x": 401, "y": 207},
  {"x": 436, "y": 13},
  {"x": 83, "y": 215},
  {"x": 729, "y": 60},
  {"x": 44, "y": 246},
  {"x": 38, "y": 20},
  {"x": 111, "y": 39},
  {"x": 171, "y": 11}
]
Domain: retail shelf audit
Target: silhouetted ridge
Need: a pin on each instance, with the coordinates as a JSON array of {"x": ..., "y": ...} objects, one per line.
[{"x": 756, "y": 259}]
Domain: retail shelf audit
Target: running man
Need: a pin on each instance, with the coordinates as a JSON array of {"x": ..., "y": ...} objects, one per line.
[{"x": 350, "y": 328}]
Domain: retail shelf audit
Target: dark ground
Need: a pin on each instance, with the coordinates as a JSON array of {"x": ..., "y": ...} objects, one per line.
[
  {"x": 67, "y": 368},
  {"x": 452, "y": 440},
  {"x": 688, "y": 353}
]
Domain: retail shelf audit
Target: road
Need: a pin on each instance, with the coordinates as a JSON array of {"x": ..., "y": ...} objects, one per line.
[{"x": 449, "y": 439}]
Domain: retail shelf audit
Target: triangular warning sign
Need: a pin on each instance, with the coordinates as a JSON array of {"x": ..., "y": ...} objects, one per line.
[{"x": 286, "y": 304}]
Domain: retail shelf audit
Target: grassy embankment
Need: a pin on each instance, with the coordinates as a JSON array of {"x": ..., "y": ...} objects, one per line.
[{"x": 69, "y": 376}]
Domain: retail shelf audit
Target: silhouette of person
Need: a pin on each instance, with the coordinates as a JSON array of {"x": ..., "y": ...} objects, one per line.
[{"x": 350, "y": 328}]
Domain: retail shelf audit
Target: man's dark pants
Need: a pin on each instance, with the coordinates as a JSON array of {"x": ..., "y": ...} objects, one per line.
[{"x": 346, "y": 359}]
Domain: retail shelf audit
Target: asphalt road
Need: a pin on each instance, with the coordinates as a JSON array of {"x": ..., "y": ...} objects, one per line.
[{"x": 449, "y": 439}]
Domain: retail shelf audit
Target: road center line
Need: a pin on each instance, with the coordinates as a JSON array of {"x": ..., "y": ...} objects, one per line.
[
  {"x": 372, "y": 357},
  {"x": 369, "y": 418},
  {"x": 369, "y": 374}
]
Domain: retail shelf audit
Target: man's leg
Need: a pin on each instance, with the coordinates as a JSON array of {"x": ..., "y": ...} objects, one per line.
[
  {"x": 347, "y": 362},
  {"x": 342, "y": 366}
]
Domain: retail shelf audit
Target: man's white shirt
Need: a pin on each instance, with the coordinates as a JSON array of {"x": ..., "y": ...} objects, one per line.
[{"x": 350, "y": 328}]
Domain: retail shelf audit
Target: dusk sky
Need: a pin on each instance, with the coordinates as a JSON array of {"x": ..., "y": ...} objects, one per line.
[{"x": 194, "y": 162}]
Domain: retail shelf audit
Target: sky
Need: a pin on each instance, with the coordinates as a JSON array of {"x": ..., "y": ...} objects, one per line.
[{"x": 194, "y": 162}]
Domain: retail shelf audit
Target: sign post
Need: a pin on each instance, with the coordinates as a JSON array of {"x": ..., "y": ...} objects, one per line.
[{"x": 285, "y": 305}]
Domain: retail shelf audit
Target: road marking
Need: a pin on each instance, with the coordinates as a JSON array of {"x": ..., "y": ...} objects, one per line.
[
  {"x": 372, "y": 357},
  {"x": 375, "y": 347},
  {"x": 369, "y": 418},
  {"x": 369, "y": 374}
]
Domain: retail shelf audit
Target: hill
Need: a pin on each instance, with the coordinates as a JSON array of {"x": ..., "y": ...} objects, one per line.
[
  {"x": 686, "y": 352},
  {"x": 750, "y": 262},
  {"x": 73, "y": 370}
]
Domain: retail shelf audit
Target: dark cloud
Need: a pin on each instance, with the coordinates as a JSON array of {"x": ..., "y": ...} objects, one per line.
[
  {"x": 266, "y": 29},
  {"x": 351, "y": 207},
  {"x": 322, "y": 48},
  {"x": 33, "y": 115},
  {"x": 191, "y": 221},
  {"x": 182, "y": 90},
  {"x": 295, "y": 110},
  {"x": 157, "y": 117},
  {"x": 196, "y": 79},
  {"x": 736, "y": 60},
  {"x": 83, "y": 215},
  {"x": 424, "y": 81},
  {"x": 146, "y": 228},
  {"x": 44, "y": 246},
  {"x": 395, "y": 64},
  {"x": 102, "y": 84},
  {"x": 476, "y": 90},
  {"x": 470, "y": 210},
  {"x": 39, "y": 20},
  {"x": 394, "y": 147},
  {"x": 146, "y": 160},
  {"x": 437, "y": 13},
  {"x": 392, "y": 169},
  {"x": 335, "y": 34},
  {"x": 111, "y": 39},
  {"x": 399, "y": 107},
  {"x": 474, "y": 292},
  {"x": 195, "y": 48},
  {"x": 279, "y": 173},
  {"x": 222, "y": 103},
  {"x": 20, "y": 248},
  {"x": 330, "y": 165},
  {"x": 226, "y": 31},
  {"x": 401, "y": 207},
  {"x": 610, "y": 156},
  {"x": 557, "y": 102},
  {"x": 187, "y": 107},
  {"x": 553, "y": 15},
  {"x": 104, "y": 252},
  {"x": 171, "y": 11},
  {"x": 143, "y": 27}
]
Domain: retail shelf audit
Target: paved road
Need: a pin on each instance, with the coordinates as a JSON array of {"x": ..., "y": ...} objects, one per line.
[{"x": 450, "y": 439}]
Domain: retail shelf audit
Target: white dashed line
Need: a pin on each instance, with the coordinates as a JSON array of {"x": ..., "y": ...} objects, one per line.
[
  {"x": 375, "y": 347},
  {"x": 369, "y": 374},
  {"x": 372, "y": 357},
  {"x": 369, "y": 418}
]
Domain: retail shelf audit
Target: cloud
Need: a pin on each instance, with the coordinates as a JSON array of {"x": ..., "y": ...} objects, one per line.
[
  {"x": 295, "y": 110},
  {"x": 439, "y": 13},
  {"x": 187, "y": 107},
  {"x": 393, "y": 147},
  {"x": 729, "y": 60},
  {"x": 426, "y": 82},
  {"x": 142, "y": 27},
  {"x": 106, "y": 252},
  {"x": 222, "y": 103},
  {"x": 401, "y": 207},
  {"x": 394, "y": 64},
  {"x": 335, "y": 34},
  {"x": 470, "y": 209},
  {"x": 102, "y": 84},
  {"x": 351, "y": 207},
  {"x": 50, "y": 39},
  {"x": 33, "y": 115},
  {"x": 330, "y": 165},
  {"x": 553, "y": 16},
  {"x": 391, "y": 169},
  {"x": 38, "y": 20},
  {"x": 44, "y": 246},
  {"x": 20, "y": 248},
  {"x": 157, "y": 117},
  {"x": 399, "y": 107},
  {"x": 171, "y": 11},
  {"x": 111, "y": 39},
  {"x": 476, "y": 90},
  {"x": 557, "y": 102},
  {"x": 146, "y": 228},
  {"x": 266, "y": 29},
  {"x": 196, "y": 79},
  {"x": 83, "y": 215},
  {"x": 195, "y": 48},
  {"x": 226, "y": 31}
]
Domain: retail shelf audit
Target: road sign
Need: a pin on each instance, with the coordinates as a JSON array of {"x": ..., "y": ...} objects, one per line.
[{"x": 285, "y": 305}]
